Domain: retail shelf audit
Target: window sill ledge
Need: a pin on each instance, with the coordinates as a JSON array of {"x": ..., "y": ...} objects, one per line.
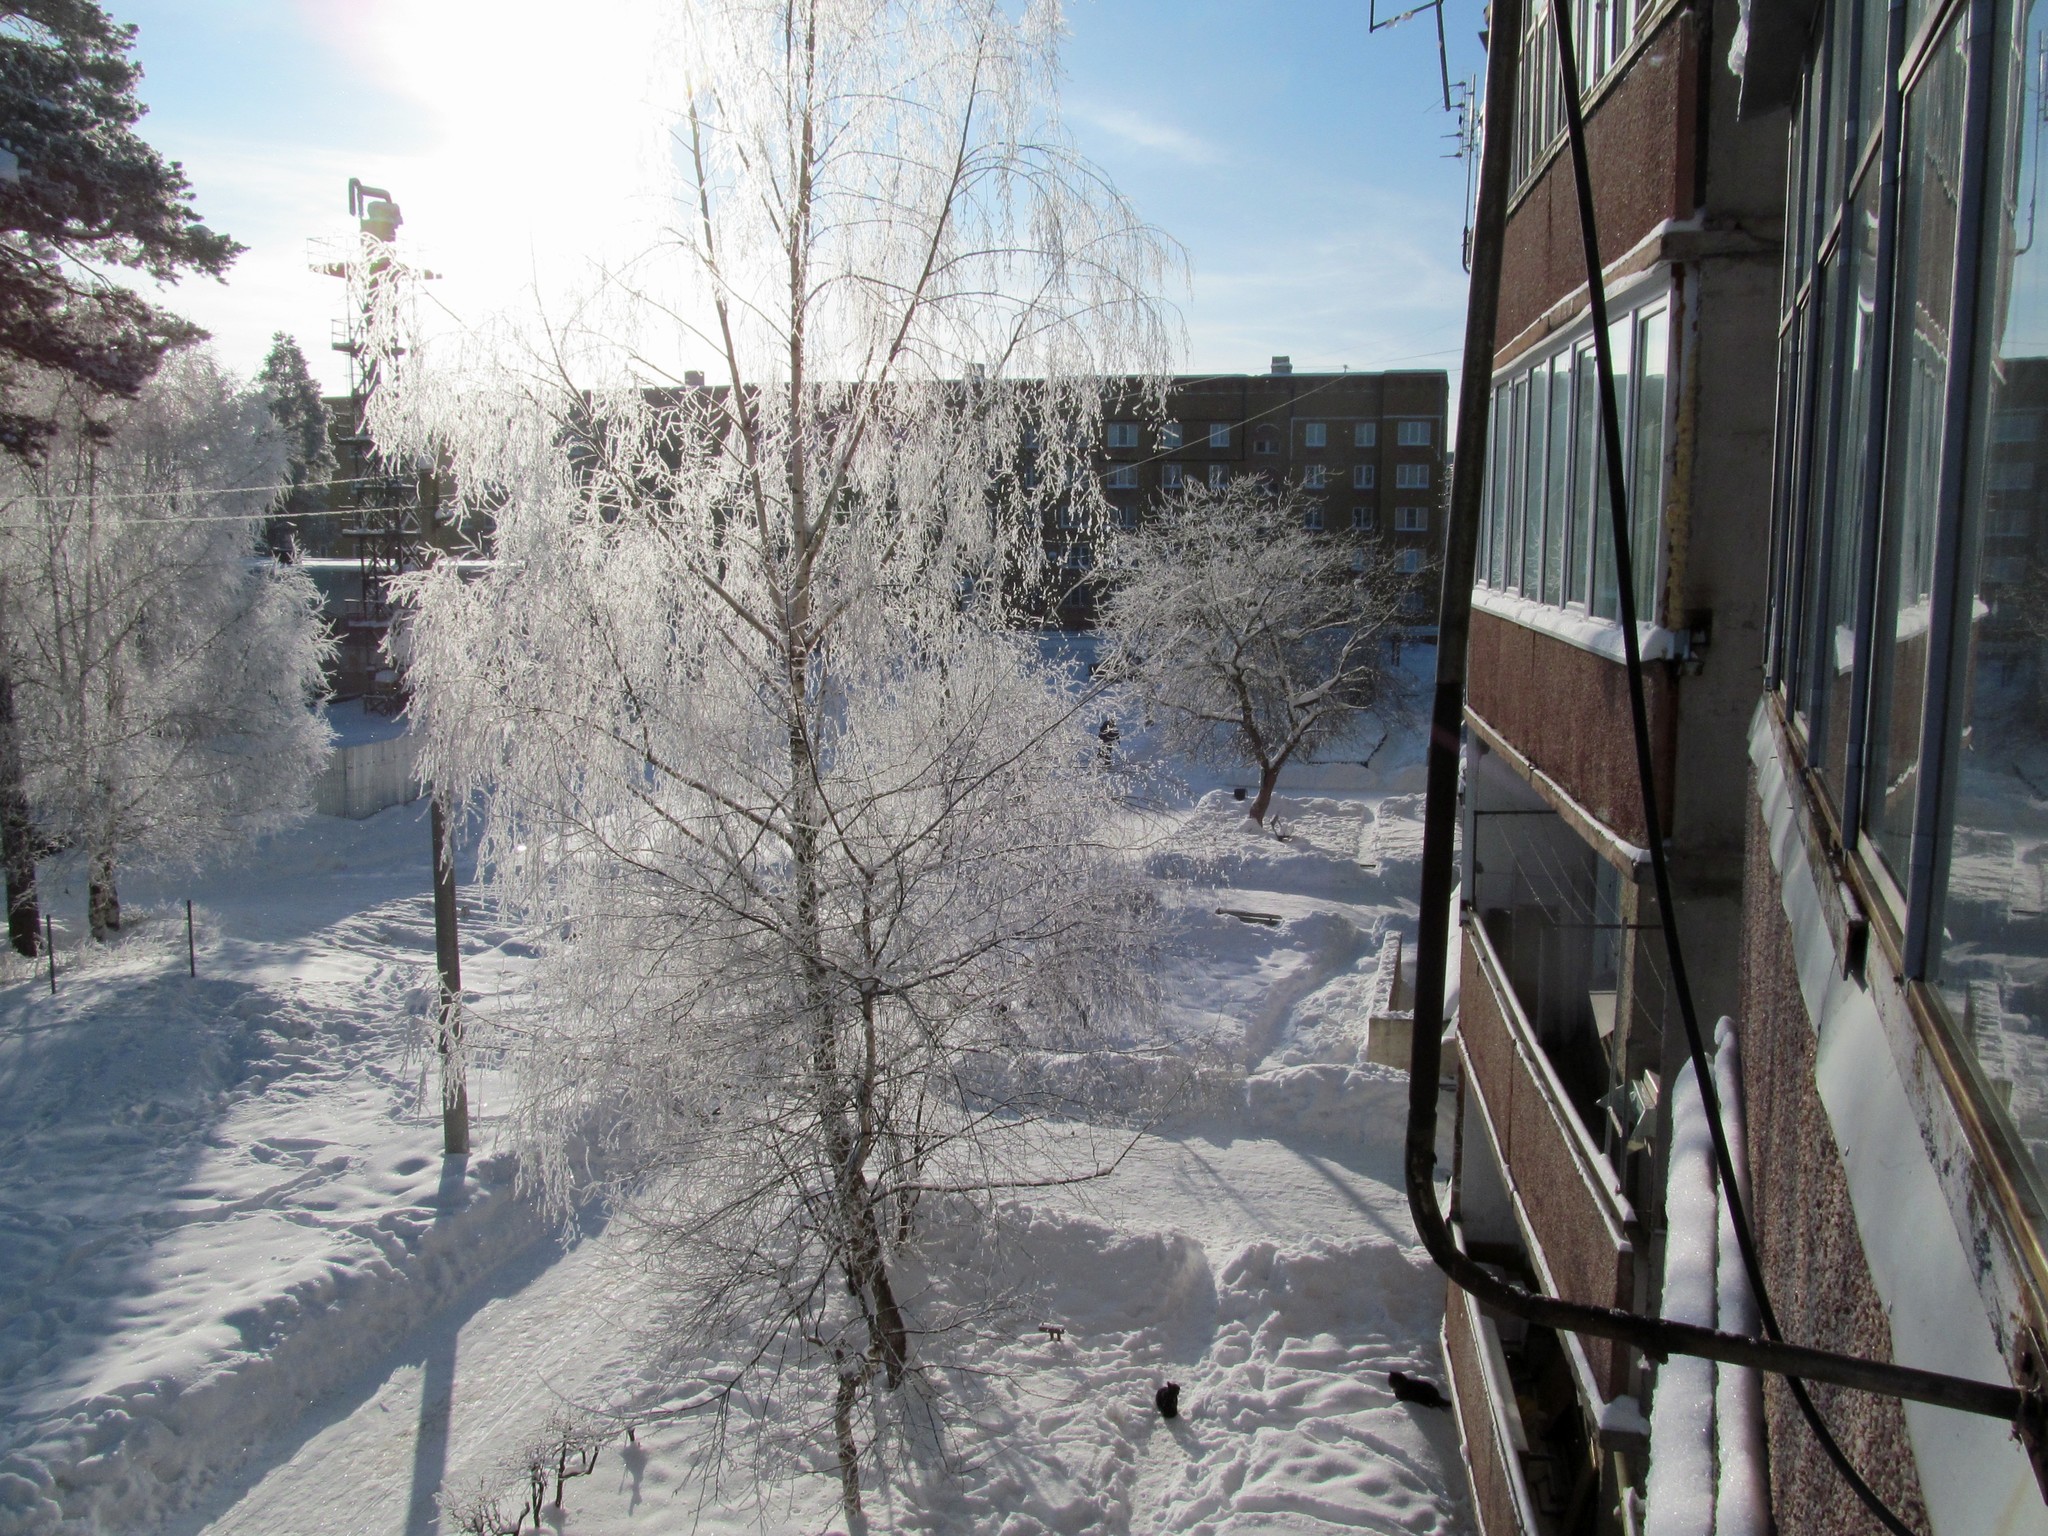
[{"x": 1602, "y": 637}]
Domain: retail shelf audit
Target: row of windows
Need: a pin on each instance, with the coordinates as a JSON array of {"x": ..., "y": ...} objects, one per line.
[
  {"x": 1314, "y": 477},
  {"x": 1364, "y": 518},
  {"x": 1314, "y": 434},
  {"x": 1545, "y": 531},
  {"x": 1909, "y": 583},
  {"x": 1602, "y": 31}
]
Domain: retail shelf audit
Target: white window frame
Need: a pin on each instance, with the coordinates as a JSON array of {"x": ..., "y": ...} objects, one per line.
[
  {"x": 1169, "y": 435},
  {"x": 1411, "y": 519},
  {"x": 1411, "y": 477},
  {"x": 1312, "y": 517},
  {"x": 1122, "y": 477},
  {"x": 1364, "y": 477},
  {"x": 1122, "y": 434},
  {"x": 1219, "y": 434},
  {"x": 1312, "y": 477},
  {"x": 1408, "y": 561},
  {"x": 1413, "y": 434},
  {"x": 1170, "y": 477},
  {"x": 1315, "y": 435},
  {"x": 1365, "y": 434},
  {"x": 1218, "y": 474},
  {"x": 1363, "y": 519}
]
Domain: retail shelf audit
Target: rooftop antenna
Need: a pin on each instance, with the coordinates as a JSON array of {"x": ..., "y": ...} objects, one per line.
[{"x": 1443, "y": 52}]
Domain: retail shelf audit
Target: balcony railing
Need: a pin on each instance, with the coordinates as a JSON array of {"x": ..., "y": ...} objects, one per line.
[{"x": 1565, "y": 1195}]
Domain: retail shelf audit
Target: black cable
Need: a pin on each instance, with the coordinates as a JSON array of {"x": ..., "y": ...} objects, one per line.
[{"x": 1610, "y": 427}]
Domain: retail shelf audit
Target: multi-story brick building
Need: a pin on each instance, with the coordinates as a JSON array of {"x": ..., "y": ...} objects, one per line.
[
  {"x": 1365, "y": 449},
  {"x": 1829, "y": 324}
]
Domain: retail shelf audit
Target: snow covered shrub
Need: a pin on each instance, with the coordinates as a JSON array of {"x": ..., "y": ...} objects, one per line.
[
  {"x": 162, "y": 672},
  {"x": 803, "y": 827},
  {"x": 1252, "y": 638}
]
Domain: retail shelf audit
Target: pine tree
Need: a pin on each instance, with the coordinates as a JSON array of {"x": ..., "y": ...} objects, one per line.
[
  {"x": 83, "y": 194},
  {"x": 302, "y": 417}
]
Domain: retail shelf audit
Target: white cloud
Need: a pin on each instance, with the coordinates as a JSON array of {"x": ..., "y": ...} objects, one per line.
[{"x": 1147, "y": 132}]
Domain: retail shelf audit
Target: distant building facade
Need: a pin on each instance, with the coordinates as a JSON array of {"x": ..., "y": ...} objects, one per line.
[{"x": 1366, "y": 450}]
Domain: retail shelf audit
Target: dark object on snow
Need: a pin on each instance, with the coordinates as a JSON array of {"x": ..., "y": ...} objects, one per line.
[
  {"x": 1054, "y": 1332},
  {"x": 1167, "y": 1400},
  {"x": 1413, "y": 1389},
  {"x": 1237, "y": 793}
]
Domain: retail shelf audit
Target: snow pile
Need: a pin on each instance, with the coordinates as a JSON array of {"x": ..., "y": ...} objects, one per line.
[
  {"x": 218, "y": 1199},
  {"x": 1707, "y": 1473}
]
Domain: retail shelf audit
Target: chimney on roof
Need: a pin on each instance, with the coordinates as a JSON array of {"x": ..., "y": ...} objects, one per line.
[
  {"x": 693, "y": 378},
  {"x": 1282, "y": 364}
]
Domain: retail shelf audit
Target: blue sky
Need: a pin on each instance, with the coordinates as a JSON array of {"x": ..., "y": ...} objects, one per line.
[{"x": 1296, "y": 158}]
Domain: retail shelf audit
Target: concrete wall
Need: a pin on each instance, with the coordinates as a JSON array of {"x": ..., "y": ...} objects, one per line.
[{"x": 364, "y": 779}]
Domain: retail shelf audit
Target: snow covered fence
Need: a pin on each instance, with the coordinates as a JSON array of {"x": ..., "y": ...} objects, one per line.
[{"x": 366, "y": 777}]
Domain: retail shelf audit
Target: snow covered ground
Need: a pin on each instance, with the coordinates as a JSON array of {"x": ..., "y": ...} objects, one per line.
[{"x": 240, "y": 1297}]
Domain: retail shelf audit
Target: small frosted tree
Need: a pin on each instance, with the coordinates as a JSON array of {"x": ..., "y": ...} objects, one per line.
[
  {"x": 1253, "y": 638},
  {"x": 815, "y": 846},
  {"x": 164, "y": 675}
]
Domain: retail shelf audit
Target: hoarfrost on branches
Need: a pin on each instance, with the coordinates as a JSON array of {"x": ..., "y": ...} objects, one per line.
[
  {"x": 163, "y": 673},
  {"x": 1253, "y": 638},
  {"x": 817, "y": 847}
]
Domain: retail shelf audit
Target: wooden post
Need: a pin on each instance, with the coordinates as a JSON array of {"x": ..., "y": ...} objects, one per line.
[
  {"x": 50, "y": 944},
  {"x": 448, "y": 958},
  {"x": 191, "y": 954}
]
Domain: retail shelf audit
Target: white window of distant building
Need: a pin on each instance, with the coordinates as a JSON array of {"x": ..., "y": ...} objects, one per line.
[
  {"x": 1411, "y": 477},
  {"x": 1217, "y": 475},
  {"x": 2017, "y": 426},
  {"x": 1366, "y": 435},
  {"x": 1361, "y": 520},
  {"x": 1266, "y": 439},
  {"x": 1312, "y": 519},
  {"x": 1358, "y": 559},
  {"x": 1169, "y": 477},
  {"x": 1127, "y": 517},
  {"x": 1219, "y": 434},
  {"x": 1124, "y": 477},
  {"x": 1408, "y": 561},
  {"x": 1414, "y": 434},
  {"x": 1123, "y": 434},
  {"x": 2012, "y": 475},
  {"x": 1169, "y": 435},
  {"x": 1312, "y": 477},
  {"x": 1364, "y": 476},
  {"x": 1411, "y": 519},
  {"x": 1069, "y": 518},
  {"x": 1315, "y": 435}
]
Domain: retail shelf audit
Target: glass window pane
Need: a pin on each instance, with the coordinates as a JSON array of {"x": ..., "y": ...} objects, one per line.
[
  {"x": 1992, "y": 968},
  {"x": 1931, "y": 153},
  {"x": 1558, "y": 490},
  {"x": 1838, "y": 647},
  {"x": 1532, "y": 523},
  {"x": 1511, "y": 532},
  {"x": 1620, "y": 339},
  {"x": 1648, "y": 490},
  {"x": 1824, "y": 444},
  {"x": 1585, "y": 458}
]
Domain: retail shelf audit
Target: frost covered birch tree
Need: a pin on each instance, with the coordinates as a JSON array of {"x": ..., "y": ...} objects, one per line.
[
  {"x": 815, "y": 844},
  {"x": 1253, "y": 638},
  {"x": 164, "y": 673}
]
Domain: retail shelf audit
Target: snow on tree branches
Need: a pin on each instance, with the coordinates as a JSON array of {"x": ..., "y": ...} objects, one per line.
[
  {"x": 163, "y": 674},
  {"x": 1253, "y": 639},
  {"x": 815, "y": 845}
]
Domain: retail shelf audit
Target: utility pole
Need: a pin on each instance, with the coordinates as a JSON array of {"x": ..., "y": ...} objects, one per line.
[{"x": 448, "y": 1019}]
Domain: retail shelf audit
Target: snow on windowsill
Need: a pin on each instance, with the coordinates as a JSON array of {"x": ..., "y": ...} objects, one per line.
[{"x": 1575, "y": 627}]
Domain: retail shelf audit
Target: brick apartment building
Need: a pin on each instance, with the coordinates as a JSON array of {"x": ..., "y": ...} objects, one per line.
[
  {"x": 1830, "y": 330},
  {"x": 1366, "y": 449}
]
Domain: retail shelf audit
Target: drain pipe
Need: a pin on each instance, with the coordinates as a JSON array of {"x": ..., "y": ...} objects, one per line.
[{"x": 1655, "y": 1337}]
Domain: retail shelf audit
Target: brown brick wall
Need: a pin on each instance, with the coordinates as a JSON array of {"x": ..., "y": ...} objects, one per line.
[
  {"x": 1806, "y": 1233},
  {"x": 1562, "y": 1211},
  {"x": 1566, "y": 711},
  {"x": 1640, "y": 143},
  {"x": 1491, "y": 1494}
]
